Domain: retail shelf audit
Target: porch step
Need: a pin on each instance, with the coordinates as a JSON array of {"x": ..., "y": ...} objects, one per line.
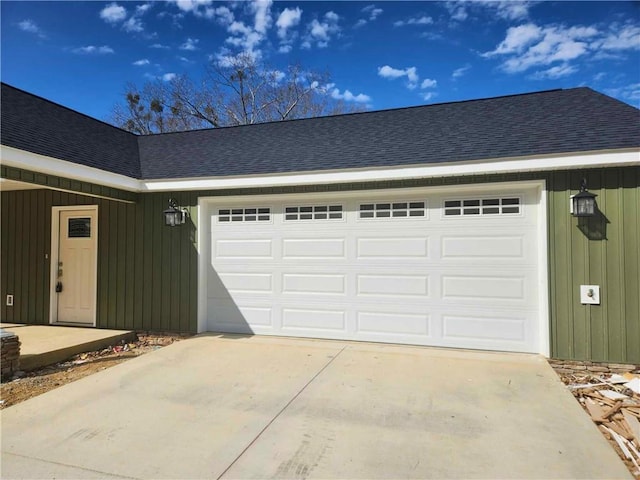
[{"x": 43, "y": 345}]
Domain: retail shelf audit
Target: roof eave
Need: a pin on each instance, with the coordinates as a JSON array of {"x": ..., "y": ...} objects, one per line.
[{"x": 537, "y": 163}]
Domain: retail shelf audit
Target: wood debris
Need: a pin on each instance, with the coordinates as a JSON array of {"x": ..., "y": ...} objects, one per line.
[{"x": 613, "y": 402}]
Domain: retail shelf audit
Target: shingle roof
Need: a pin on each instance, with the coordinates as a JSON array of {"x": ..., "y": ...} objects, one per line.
[
  {"x": 541, "y": 123},
  {"x": 550, "y": 122},
  {"x": 39, "y": 126}
]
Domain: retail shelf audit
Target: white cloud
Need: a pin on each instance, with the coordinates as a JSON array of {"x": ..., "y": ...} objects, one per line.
[
  {"x": 599, "y": 76},
  {"x": 426, "y": 96},
  {"x": 277, "y": 75},
  {"x": 347, "y": 96},
  {"x": 285, "y": 48},
  {"x": 627, "y": 38},
  {"x": 630, "y": 93},
  {"x": 206, "y": 9},
  {"x": 167, "y": 77},
  {"x": 517, "y": 39},
  {"x": 262, "y": 18},
  {"x": 423, "y": 20},
  {"x": 31, "y": 27},
  {"x": 457, "y": 10},
  {"x": 459, "y": 72},
  {"x": 190, "y": 44},
  {"x": 428, "y": 83},
  {"x": 528, "y": 46},
  {"x": 140, "y": 63},
  {"x": 133, "y": 24},
  {"x": 287, "y": 19},
  {"x": 410, "y": 72},
  {"x": 506, "y": 10},
  {"x": 113, "y": 13},
  {"x": 332, "y": 16},
  {"x": 92, "y": 50},
  {"x": 390, "y": 72},
  {"x": 193, "y": 6},
  {"x": 512, "y": 10},
  {"x": 223, "y": 14},
  {"x": 247, "y": 38},
  {"x": 142, "y": 9},
  {"x": 321, "y": 32},
  {"x": 371, "y": 12},
  {"x": 553, "y": 73},
  {"x": 159, "y": 46}
]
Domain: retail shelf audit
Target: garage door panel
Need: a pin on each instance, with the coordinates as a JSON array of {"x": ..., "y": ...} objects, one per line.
[
  {"x": 393, "y": 247},
  {"x": 243, "y": 248},
  {"x": 466, "y": 281},
  {"x": 395, "y": 324},
  {"x": 319, "y": 248},
  {"x": 313, "y": 283},
  {"x": 475, "y": 327},
  {"x": 314, "y": 318},
  {"x": 228, "y": 316},
  {"x": 248, "y": 282},
  {"x": 393, "y": 284},
  {"x": 483, "y": 247},
  {"x": 486, "y": 288}
]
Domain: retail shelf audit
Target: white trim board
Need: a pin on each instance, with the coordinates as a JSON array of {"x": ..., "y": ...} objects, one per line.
[
  {"x": 615, "y": 158},
  {"x": 13, "y": 157}
]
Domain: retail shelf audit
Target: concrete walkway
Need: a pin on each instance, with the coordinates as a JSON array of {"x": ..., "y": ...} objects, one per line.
[
  {"x": 257, "y": 407},
  {"x": 43, "y": 345}
]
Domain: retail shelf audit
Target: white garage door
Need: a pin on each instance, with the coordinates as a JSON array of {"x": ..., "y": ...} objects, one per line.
[{"x": 454, "y": 268}]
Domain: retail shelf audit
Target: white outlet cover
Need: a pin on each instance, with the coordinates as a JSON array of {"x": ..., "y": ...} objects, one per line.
[{"x": 590, "y": 294}]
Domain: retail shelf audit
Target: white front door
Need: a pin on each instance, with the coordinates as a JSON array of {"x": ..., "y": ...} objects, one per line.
[{"x": 74, "y": 266}]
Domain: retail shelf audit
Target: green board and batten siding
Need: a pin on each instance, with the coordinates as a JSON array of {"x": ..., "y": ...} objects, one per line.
[
  {"x": 601, "y": 251},
  {"x": 139, "y": 287},
  {"x": 155, "y": 288}
]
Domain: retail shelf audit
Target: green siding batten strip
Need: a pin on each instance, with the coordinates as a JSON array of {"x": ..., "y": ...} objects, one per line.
[{"x": 147, "y": 274}]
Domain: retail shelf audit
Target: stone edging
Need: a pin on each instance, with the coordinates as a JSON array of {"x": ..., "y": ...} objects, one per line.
[{"x": 575, "y": 367}]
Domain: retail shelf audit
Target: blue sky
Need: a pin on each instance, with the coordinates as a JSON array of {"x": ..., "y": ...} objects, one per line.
[{"x": 380, "y": 54}]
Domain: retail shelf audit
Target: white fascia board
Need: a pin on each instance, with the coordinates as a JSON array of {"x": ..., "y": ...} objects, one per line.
[
  {"x": 13, "y": 157},
  {"x": 530, "y": 164}
]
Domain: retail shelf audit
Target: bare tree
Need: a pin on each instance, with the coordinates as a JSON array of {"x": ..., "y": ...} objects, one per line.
[{"x": 237, "y": 90}]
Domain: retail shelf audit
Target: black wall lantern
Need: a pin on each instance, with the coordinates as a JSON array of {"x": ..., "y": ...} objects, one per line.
[
  {"x": 174, "y": 215},
  {"x": 583, "y": 204}
]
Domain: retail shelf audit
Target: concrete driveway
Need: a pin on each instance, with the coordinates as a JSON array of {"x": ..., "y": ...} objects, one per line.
[{"x": 258, "y": 407}]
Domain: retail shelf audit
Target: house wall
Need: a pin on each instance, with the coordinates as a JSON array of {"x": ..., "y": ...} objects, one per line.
[
  {"x": 147, "y": 272},
  {"x": 147, "y": 288},
  {"x": 603, "y": 250}
]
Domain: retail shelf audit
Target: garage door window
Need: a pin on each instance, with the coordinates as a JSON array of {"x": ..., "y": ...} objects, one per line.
[
  {"x": 314, "y": 212},
  {"x": 482, "y": 206},
  {"x": 393, "y": 209},
  {"x": 255, "y": 214}
]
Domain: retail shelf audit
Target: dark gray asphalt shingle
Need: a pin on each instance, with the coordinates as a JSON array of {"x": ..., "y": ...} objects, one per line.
[
  {"x": 552, "y": 122},
  {"x": 39, "y": 126},
  {"x": 543, "y": 123}
]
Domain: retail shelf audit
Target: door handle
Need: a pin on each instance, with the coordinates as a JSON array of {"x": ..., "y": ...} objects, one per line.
[{"x": 58, "y": 287}]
